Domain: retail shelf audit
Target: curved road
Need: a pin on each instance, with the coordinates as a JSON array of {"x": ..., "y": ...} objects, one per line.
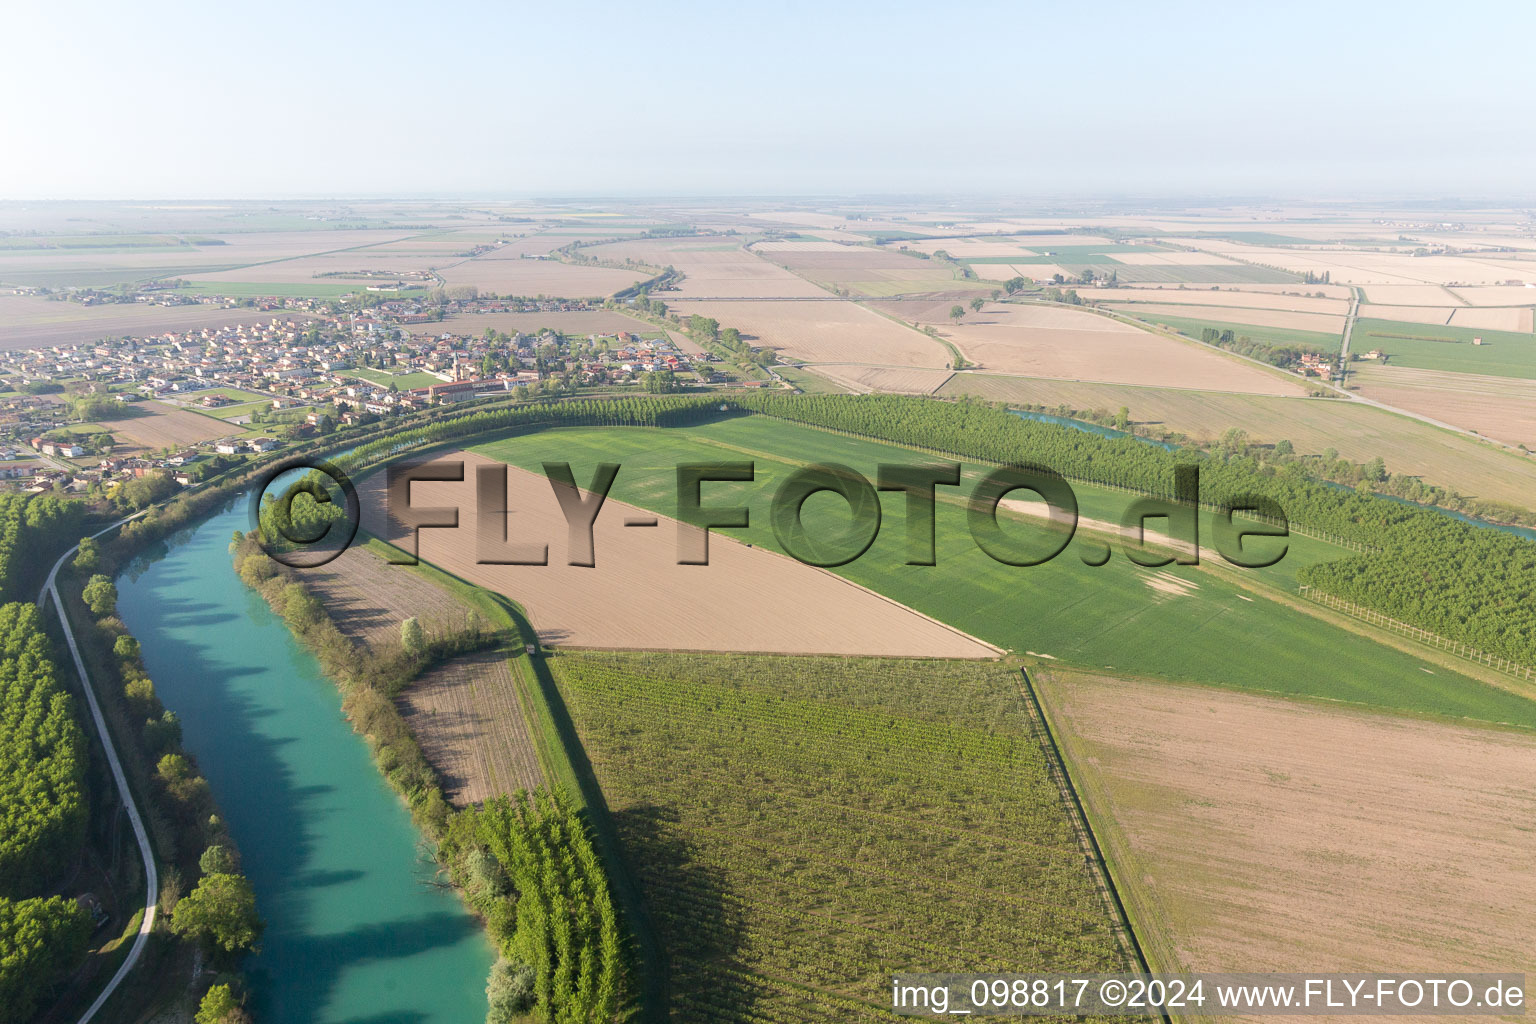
[{"x": 151, "y": 876}]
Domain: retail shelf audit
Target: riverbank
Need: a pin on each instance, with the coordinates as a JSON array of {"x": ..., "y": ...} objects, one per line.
[{"x": 359, "y": 927}]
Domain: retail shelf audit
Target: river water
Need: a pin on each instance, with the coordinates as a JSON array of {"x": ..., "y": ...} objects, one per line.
[{"x": 356, "y": 930}]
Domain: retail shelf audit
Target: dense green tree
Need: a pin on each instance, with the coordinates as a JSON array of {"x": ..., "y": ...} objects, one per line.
[
  {"x": 100, "y": 595},
  {"x": 221, "y": 911},
  {"x": 412, "y": 637}
]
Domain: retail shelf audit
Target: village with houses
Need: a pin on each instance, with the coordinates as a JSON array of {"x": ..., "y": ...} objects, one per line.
[{"x": 177, "y": 404}]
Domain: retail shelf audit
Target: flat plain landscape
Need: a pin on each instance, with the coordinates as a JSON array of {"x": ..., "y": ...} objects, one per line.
[
  {"x": 825, "y": 332},
  {"x": 1051, "y": 341}
]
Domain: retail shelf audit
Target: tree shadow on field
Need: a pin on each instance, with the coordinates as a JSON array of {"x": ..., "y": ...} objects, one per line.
[{"x": 687, "y": 899}]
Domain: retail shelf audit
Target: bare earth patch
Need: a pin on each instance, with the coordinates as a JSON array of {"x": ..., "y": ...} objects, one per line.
[
  {"x": 1261, "y": 834},
  {"x": 638, "y": 597}
]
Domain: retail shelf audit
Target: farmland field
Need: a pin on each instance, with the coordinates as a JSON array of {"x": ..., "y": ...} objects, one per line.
[
  {"x": 527, "y": 278},
  {"x": 1117, "y": 617},
  {"x": 713, "y": 268},
  {"x": 822, "y": 332},
  {"x": 879, "y": 378},
  {"x": 1281, "y": 319},
  {"x": 465, "y": 713},
  {"x": 1320, "y": 340},
  {"x": 596, "y": 321},
  {"x": 1448, "y": 347},
  {"x": 33, "y": 322},
  {"x": 871, "y": 272},
  {"x": 1498, "y": 407},
  {"x": 1051, "y": 341},
  {"x": 1275, "y": 300},
  {"x": 1357, "y": 432},
  {"x": 638, "y": 596},
  {"x": 158, "y": 425},
  {"x": 804, "y": 828},
  {"x": 1252, "y": 833}
]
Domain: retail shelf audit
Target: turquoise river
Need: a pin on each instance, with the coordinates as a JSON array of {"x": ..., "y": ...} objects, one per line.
[{"x": 357, "y": 930}]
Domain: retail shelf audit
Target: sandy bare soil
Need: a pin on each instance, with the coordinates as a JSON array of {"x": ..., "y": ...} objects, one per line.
[
  {"x": 824, "y": 332},
  {"x": 1325, "y": 323},
  {"x": 1497, "y": 407},
  {"x": 28, "y": 321},
  {"x": 1268, "y": 835},
  {"x": 884, "y": 378},
  {"x": 1224, "y": 297},
  {"x": 637, "y": 596},
  {"x": 168, "y": 426},
  {"x": 1050, "y": 341},
  {"x": 467, "y": 716}
]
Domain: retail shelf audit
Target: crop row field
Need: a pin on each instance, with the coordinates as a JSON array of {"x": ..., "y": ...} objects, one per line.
[
  {"x": 1176, "y": 622},
  {"x": 804, "y": 828},
  {"x": 1251, "y": 833},
  {"x": 465, "y": 713}
]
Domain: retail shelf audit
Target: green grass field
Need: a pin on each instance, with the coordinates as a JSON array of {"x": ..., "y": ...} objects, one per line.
[
  {"x": 803, "y": 828},
  {"x": 1319, "y": 340},
  {"x": 810, "y": 383},
  {"x": 403, "y": 381},
  {"x": 1433, "y": 347},
  {"x": 1178, "y": 623},
  {"x": 229, "y": 412}
]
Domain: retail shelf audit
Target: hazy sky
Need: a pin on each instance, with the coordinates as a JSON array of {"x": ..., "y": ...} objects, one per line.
[{"x": 191, "y": 100}]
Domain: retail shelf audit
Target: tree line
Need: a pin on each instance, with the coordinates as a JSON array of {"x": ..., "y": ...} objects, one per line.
[
  {"x": 528, "y": 865},
  {"x": 1469, "y": 583}
]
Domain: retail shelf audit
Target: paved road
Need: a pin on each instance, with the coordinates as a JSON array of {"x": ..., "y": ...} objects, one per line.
[{"x": 151, "y": 876}]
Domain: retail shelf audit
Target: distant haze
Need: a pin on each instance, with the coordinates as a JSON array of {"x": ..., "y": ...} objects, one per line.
[{"x": 191, "y": 100}]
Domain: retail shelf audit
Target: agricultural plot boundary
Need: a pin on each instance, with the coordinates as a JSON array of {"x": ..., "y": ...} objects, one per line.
[
  {"x": 1454, "y": 647},
  {"x": 1056, "y": 766}
]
